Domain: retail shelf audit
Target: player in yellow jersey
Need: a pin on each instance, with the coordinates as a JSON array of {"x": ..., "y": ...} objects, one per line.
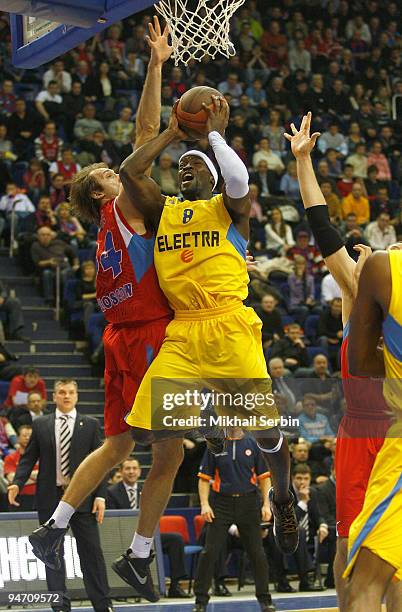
[
  {"x": 214, "y": 339},
  {"x": 375, "y": 537}
]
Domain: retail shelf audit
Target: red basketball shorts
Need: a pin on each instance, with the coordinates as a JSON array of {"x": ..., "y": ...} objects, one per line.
[
  {"x": 354, "y": 459},
  {"x": 129, "y": 350}
]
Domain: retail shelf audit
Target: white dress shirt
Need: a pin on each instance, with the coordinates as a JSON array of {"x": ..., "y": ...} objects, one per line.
[{"x": 60, "y": 479}]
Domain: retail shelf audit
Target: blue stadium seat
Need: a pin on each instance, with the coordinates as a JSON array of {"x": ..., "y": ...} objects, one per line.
[
  {"x": 311, "y": 327},
  {"x": 4, "y": 385}
]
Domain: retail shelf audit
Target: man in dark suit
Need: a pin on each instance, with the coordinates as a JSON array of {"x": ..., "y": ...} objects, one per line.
[
  {"x": 310, "y": 524},
  {"x": 125, "y": 495},
  {"x": 326, "y": 497},
  {"x": 61, "y": 441}
]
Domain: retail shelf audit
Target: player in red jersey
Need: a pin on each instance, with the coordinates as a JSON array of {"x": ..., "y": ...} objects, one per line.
[
  {"x": 138, "y": 313},
  {"x": 363, "y": 427}
]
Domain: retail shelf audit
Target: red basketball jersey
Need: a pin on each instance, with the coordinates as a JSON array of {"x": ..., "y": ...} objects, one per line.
[
  {"x": 364, "y": 396},
  {"x": 127, "y": 287}
]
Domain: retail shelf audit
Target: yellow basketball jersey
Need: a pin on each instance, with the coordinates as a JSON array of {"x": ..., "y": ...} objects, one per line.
[
  {"x": 392, "y": 332},
  {"x": 200, "y": 256}
]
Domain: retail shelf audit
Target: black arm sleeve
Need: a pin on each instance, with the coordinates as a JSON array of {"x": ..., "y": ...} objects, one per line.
[{"x": 327, "y": 237}]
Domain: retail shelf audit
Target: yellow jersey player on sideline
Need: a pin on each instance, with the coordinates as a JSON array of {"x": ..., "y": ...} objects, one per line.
[
  {"x": 375, "y": 538},
  {"x": 200, "y": 252}
]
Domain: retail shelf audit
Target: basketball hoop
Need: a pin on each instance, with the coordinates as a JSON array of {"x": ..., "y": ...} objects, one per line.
[{"x": 199, "y": 30}]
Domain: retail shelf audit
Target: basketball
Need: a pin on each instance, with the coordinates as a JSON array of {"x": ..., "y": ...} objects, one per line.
[{"x": 190, "y": 112}]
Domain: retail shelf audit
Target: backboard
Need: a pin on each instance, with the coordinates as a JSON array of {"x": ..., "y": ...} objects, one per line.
[{"x": 39, "y": 37}]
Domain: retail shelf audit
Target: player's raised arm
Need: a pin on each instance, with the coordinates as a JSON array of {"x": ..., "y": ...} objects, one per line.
[
  {"x": 147, "y": 120},
  {"x": 340, "y": 264},
  {"x": 139, "y": 187},
  {"x": 234, "y": 172},
  {"x": 369, "y": 310}
]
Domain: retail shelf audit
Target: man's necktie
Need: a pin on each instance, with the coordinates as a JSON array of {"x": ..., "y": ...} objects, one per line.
[
  {"x": 304, "y": 524},
  {"x": 65, "y": 443},
  {"x": 132, "y": 496}
]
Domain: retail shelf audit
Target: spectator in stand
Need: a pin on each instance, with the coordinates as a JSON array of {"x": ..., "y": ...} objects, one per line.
[
  {"x": 274, "y": 131},
  {"x": 272, "y": 38},
  {"x": 23, "y": 127},
  {"x": 85, "y": 127},
  {"x": 319, "y": 384},
  {"x": 313, "y": 424},
  {"x": 371, "y": 183},
  {"x": 272, "y": 325},
  {"x": 356, "y": 202},
  {"x": 257, "y": 95},
  {"x": 257, "y": 216},
  {"x": 333, "y": 202},
  {"x": 311, "y": 523},
  {"x": 59, "y": 75},
  {"x": 301, "y": 290},
  {"x": 300, "y": 58},
  {"x": 291, "y": 349},
  {"x": 233, "y": 87},
  {"x": 377, "y": 158},
  {"x": 381, "y": 204},
  {"x": 8, "y": 369},
  {"x": 26, "y": 414},
  {"x": 43, "y": 216},
  {"x": 99, "y": 149},
  {"x": 264, "y": 179},
  {"x": 34, "y": 179},
  {"x": 380, "y": 233},
  {"x": 333, "y": 139},
  {"x": 326, "y": 497},
  {"x": 26, "y": 498},
  {"x": 358, "y": 160},
  {"x": 355, "y": 137},
  {"x": 177, "y": 82},
  {"x": 289, "y": 182},
  {"x": 48, "y": 146},
  {"x": 49, "y": 253},
  {"x": 264, "y": 153},
  {"x": 67, "y": 166},
  {"x": 281, "y": 383},
  {"x": 14, "y": 202},
  {"x": 278, "y": 234},
  {"x": 11, "y": 307},
  {"x": 329, "y": 289},
  {"x": 22, "y": 385},
  {"x": 49, "y": 102},
  {"x": 6, "y": 146},
  {"x": 73, "y": 103},
  {"x": 334, "y": 164},
  {"x": 237, "y": 144},
  {"x": 330, "y": 331},
  {"x": 7, "y": 98},
  {"x": 338, "y": 103},
  {"x": 165, "y": 175},
  {"x": 121, "y": 130},
  {"x": 85, "y": 291},
  {"x": 57, "y": 190},
  {"x": 8, "y": 437},
  {"x": 69, "y": 226},
  {"x": 315, "y": 262}
]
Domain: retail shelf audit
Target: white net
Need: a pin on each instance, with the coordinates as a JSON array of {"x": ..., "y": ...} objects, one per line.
[{"x": 199, "y": 27}]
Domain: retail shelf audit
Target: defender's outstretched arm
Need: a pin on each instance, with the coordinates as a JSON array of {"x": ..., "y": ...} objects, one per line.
[{"x": 342, "y": 267}]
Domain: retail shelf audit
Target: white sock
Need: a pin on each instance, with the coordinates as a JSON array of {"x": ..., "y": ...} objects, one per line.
[
  {"x": 140, "y": 546},
  {"x": 62, "y": 515}
]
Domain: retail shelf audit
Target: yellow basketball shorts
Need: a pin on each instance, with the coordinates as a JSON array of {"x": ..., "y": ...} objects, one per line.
[
  {"x": 211, "y": 362},
  {"x": 378, "y": 527}
]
